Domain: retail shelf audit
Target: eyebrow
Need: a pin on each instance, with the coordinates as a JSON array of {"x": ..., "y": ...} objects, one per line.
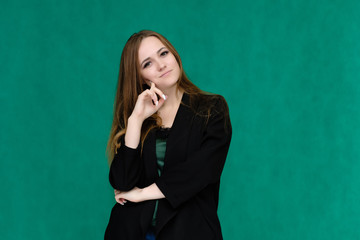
[{"x": 149, "y": 57}]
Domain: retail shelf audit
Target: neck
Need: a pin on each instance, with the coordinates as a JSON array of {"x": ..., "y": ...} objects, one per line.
[
  {"x": 173, "y": 97},
  {"x": 168, "y": 110}
]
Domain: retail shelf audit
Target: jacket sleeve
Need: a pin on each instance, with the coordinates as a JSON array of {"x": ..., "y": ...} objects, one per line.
[
  {"x": 184, "y": 180},
  {"x": 125, "y": 168}
]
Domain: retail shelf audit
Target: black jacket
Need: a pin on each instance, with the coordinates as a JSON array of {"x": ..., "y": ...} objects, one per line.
[{"x": 196, "y": 150}]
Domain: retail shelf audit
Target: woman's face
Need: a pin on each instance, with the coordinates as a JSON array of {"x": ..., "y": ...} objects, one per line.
[{"x": 158, "y": 64}]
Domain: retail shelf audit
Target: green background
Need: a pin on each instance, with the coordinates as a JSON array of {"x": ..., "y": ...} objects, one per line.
[{"x": 290, "y": 71}]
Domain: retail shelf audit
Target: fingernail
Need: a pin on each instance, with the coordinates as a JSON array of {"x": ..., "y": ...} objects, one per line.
[
  {"x": 121, "y": 203},
  {"x": 156, "y": 103},
  {"x": 164, "y": 97}
]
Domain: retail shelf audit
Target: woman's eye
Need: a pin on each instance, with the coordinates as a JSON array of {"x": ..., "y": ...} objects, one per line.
[
  {"x": 164, "y": 53},
  {"x": 146, "y": 65}
]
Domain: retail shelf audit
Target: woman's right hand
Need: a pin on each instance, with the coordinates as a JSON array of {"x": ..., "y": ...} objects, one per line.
[{"x": 148, "y": 103}]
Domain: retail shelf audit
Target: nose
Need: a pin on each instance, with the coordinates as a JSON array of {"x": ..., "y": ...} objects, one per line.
[{"x": 161, "y": 65}]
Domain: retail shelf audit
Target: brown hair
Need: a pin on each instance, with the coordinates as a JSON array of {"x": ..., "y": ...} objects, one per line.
[{"x": 130, "y": 85}]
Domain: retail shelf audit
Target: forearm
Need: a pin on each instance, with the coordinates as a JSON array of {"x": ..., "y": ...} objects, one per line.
[
  {"x": 151, "y": 192},
  {"x": 125, "y": 168},
  {"x": 133, "y": 131}
]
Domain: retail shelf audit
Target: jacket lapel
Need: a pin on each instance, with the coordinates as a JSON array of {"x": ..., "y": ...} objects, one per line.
[
  {"x": 178, "y": 138},
  {"x": 176, "y": 149}
]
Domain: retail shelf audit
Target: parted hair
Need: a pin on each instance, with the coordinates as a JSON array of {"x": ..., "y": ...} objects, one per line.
[{"x": 130, "y": 84}]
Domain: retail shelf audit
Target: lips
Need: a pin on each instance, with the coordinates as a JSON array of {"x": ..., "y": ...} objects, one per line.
[{"x": 166, "y": 73}]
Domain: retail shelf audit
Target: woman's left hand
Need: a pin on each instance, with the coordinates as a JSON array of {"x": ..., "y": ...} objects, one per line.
[{"x": 134, "y": 195}]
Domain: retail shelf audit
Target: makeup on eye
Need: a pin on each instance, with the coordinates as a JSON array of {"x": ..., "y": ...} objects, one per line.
[
  {"x": 162, "y": 54},
  {"x": 147, "y": 64}
]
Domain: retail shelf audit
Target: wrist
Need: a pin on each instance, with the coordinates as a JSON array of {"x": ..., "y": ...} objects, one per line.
[
  {"x": 141, "y": 195},
  {"x": 151, "y": 192},
  {"x": 133, "y": 119}
]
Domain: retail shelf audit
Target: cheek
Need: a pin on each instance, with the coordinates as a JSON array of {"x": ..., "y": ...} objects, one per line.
[
  {"x": 173, "y": 60},
  {"x": 175, "y": 63},
  {"x": 145, "y": 74},
  {"x": 148, "y": 76}
]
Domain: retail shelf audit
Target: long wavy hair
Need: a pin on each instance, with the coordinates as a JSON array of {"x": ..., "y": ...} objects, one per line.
[{"x": 131, "y": 84}]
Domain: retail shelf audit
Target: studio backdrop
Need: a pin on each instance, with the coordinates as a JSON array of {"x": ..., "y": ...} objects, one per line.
[{"x": 290, "y": 71}]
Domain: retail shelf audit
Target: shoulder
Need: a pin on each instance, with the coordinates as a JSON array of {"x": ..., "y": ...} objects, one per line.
[
  {"x": 208, "y": 104},
  {"x": 209, "y": 109}
]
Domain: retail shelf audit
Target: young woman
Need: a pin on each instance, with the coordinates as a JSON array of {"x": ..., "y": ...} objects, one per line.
[{"x": 167, "y": 147}]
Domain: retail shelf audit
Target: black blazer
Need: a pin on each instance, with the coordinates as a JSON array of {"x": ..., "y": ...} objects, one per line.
[{"x": 196, "y": 150}]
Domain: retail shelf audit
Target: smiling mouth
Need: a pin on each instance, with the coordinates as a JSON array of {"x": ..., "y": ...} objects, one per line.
[{"x": 165, "y": 73}]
